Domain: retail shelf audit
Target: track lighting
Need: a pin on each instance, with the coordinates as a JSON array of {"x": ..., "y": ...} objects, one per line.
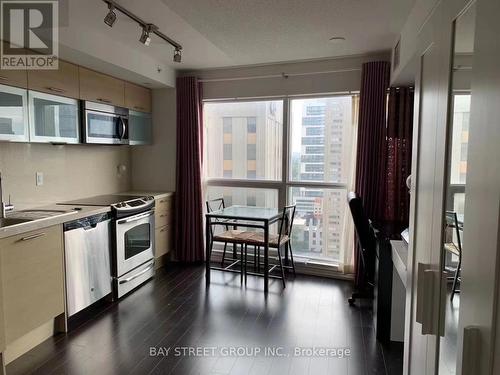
[
  {"x": 147, "y": 28},
  {"x": 110, "y": 18},
  {"x": 177, "y": 55},
  {"x": 146, "y": 34}
]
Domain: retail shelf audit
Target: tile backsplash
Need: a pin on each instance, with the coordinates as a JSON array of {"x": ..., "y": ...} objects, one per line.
[{"x": 69, "y": 172}]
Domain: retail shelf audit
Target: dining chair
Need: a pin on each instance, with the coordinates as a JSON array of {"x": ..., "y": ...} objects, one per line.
[
  {"x": 453, "y": 246},
  {"x": 230, "y": 233},
  {"x": 276, "y": 241}
]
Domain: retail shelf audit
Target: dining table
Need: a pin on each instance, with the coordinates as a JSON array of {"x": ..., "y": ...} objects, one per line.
[{"x": 242, "y": 217}]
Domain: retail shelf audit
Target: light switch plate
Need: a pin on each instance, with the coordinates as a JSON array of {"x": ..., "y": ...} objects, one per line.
[{"x": 39, "y": 178}]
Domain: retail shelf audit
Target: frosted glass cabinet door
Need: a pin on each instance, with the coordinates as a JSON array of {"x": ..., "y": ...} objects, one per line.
[
  {"x": 13, "y": 114},
  {"x": 140, "y": 128},
  {"x": 53, "y": 118}
]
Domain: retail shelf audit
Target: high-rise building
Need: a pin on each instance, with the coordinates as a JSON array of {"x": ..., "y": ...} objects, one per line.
[
  {"x": 326, "y": 124},
  {"x": 244, "y": 141}
]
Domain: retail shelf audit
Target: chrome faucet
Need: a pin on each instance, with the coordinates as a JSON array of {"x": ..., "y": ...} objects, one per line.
[{"x": 4, "y": 208}]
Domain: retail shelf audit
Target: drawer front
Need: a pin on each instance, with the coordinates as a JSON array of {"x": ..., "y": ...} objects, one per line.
[
  {"x": 137, "y": 97},
  {"x": 163, "y": 241},
  {"x": 163, "y": 204},
  {"x": 18, "y": 78},
  {"x": 162, "y": 218},
  {"x": 101, "y": 88},
  {"x": 63, "y": 81},
  {"x": 33, "y": 283}
]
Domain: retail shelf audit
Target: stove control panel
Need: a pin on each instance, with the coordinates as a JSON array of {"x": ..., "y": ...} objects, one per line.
[{"x": 133, "y": 204}]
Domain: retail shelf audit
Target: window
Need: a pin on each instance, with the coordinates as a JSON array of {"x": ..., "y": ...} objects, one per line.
[
  {"x": 252, "y": 125},
  {"x": 252, "y": 151},
  {"x": 244, "y": 142},
  {"x": 339, "y": 150},
  {"x": 458, "y": 157},
  {"x": 231, "y": 133},
  {"x": 228, "y": 151},
  {"x": 321, "y": 213}
]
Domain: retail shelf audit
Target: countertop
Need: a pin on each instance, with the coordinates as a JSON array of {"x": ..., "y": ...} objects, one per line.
[
  {"x": 71, "y": 215},
  {"x": 38, "y": 224}
]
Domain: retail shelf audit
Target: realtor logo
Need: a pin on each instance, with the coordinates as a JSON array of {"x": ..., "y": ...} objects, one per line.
[{"x": 29, "y": 34}]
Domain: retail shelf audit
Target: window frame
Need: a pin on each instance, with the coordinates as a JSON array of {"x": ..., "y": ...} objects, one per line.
[{"x": 284, "y": 185}]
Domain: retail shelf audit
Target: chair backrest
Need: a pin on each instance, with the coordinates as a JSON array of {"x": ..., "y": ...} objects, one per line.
[
  {"x": 451, "y": 222},
  {"x": 364, "y": 230},
  {"x": 215, "y": 204},
  {"x": 286, "y": 222}
]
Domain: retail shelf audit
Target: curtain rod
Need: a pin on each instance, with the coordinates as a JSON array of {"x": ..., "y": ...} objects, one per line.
[{"x": 282, "y": 75}]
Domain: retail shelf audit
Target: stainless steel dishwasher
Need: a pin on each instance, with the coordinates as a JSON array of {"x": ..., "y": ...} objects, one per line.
[{"x": 87, "y": 246}]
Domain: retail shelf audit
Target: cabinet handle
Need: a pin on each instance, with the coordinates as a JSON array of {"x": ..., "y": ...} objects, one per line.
[
  {"x": 2, "y": 78},
  {"x": 32, "y": 237},
  {"x": 163, "y": 230},
  {"x": 139, "y": 108},
  {"x": 55, "y": 89},
  {"x": 104, "y": 100}
]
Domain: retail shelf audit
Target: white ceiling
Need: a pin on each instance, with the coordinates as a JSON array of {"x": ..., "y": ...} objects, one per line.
[
  {"x": 265, "y": 31},
  {"x": 220, "y": 33}
]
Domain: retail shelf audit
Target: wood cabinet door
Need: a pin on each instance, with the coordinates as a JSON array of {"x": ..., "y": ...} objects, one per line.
[
  {"x": 137, "y": 97},
  {"x": 18, "y": 78},
  {"x": 32, "y": 278},
  {"x": 162, "y": 241},
  {"x": 63, "y": 81},
  {"x": 101, "y": 88}
]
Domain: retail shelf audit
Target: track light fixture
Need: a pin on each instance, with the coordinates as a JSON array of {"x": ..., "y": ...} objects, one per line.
[
  {"x": 147, "y": 28},
  {"x": 110, "y": 18},
  {"x": 177, "y": 55},
  {"x": 146, "y": 34}
]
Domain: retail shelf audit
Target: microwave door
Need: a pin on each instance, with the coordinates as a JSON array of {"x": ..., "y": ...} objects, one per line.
[{"x": 103, "y": 128}]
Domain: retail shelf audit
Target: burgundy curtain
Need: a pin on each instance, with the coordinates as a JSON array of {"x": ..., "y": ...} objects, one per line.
[
  {"x": 399, "y": 142},
  {"x": 189, "y": 206},
  {"x": 370, "y": 166}
]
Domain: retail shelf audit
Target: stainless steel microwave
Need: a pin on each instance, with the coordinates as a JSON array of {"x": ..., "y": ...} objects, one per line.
[{"x": 105, "y": 124}]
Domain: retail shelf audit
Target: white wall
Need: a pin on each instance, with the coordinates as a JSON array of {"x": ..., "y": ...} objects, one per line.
[
  {"x": 311, "y": 77},
  {"x": 153, "y": 166},
  {"x": 70, "y": 172},
  {"x": 404, "y": 74}
]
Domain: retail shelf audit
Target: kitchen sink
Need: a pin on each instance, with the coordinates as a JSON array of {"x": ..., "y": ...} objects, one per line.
[
  {"x": 7, "y": 222},
  {"x": 34, "y": 214}
]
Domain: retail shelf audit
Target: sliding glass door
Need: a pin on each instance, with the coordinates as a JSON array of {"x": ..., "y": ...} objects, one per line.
[{"x": 279, "y": 151}]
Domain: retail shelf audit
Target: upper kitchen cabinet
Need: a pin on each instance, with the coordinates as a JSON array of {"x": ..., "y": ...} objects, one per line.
[
  {"x": 63, "y": 81},
  {"x": 140, "y": 128},
  {"x": 53, "y": 118},
  {"x": 137, "y": 98},
  {"x": 101, "y": 88},
  {"x": 13, "y": 114},
  {"x": 18, "y": 78}
]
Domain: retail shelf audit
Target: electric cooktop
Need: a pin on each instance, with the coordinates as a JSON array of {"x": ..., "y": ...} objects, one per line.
[{"x": 101, "y": 200}]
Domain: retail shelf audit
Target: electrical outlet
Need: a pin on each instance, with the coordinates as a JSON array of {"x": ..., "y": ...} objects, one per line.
[{"x": 39, "y": 178}]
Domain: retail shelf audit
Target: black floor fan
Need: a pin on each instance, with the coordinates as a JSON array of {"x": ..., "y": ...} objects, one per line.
[{"x": 367, "y": 248}]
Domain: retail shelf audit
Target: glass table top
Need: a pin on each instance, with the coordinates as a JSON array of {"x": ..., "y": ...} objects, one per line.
[{"x": 247, "y": 213}]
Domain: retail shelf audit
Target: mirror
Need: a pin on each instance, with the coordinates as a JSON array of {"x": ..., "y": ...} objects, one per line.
[{"x": 453, "y": 218}]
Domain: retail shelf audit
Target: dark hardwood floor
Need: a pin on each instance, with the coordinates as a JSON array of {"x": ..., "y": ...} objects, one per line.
[{"x": 176, "y": 310}]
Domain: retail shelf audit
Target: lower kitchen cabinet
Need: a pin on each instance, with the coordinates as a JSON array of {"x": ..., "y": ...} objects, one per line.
[
  {"x": 32, "y": 280},
  {"x": 163, "y": 241},
  {"x": 163, "y": 226}
]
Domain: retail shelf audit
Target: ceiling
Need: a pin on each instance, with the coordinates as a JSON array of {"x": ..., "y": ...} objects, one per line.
[{"x": 221, "y": 33}]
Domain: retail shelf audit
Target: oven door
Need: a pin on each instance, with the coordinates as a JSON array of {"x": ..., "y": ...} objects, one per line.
[
  {"x": 105, "y": 128},
  {"x": 134, "y": 241}
]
